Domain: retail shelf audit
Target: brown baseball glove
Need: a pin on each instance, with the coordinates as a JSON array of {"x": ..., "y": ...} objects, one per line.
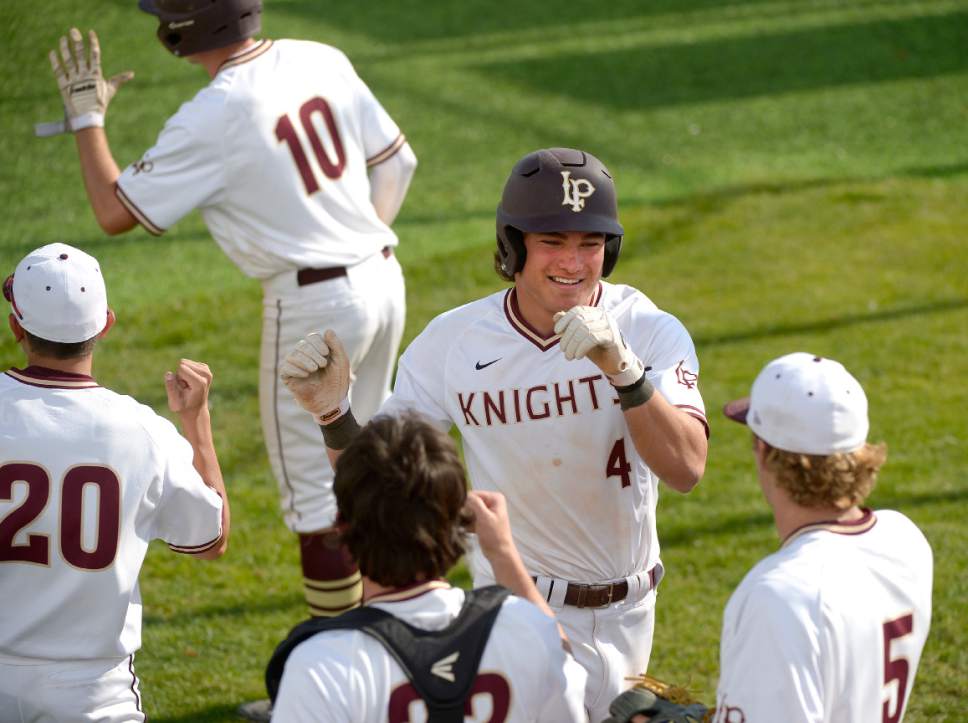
[{"x": 658, "y": 702}]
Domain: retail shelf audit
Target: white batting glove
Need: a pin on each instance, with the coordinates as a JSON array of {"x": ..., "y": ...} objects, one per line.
[
  {"x": 317, "y": 372},
  {"x": 590, "y": 331},
  {"x": 85, "y": 92}
]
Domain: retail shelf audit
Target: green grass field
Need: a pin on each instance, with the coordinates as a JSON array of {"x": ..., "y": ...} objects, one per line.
[{"x": 792, "y": 175}]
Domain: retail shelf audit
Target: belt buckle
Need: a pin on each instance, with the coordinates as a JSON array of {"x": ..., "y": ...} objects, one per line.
[{"x": 611, "y": 590}]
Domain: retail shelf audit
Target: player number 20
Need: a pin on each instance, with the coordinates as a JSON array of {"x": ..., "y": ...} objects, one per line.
[
  {"x": 37, "y": 548},
  {"x": 286, "y": 133}
]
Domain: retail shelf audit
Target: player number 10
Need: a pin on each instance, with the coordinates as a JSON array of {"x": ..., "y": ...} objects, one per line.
[{"x": 286, "y": 132}]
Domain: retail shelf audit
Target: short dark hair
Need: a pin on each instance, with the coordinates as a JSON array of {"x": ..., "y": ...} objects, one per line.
[
  {"x": 400, "y": 490},
  {"x": 60, "y": 349}
]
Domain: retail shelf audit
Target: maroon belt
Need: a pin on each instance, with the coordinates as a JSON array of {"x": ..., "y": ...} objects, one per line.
[
  {"x": 597, "y": 596},
  {"x": 305, "y": 277}
]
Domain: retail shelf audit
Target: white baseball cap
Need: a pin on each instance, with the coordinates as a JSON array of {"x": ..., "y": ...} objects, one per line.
[
  {"x": 57, "y": 293},
  {"x": 805, "y": 403}
]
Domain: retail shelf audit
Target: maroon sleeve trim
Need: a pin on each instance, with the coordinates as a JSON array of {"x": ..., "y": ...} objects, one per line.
[
  {"x": 191, "y": 550},
  {"x": 695, "y": 412},
  {"x": 387, "y": 152},
  {"x": 139, "y": 215}
]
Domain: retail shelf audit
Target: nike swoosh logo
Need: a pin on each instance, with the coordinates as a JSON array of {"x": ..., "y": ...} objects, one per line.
[{"x": 480, "y": 366}]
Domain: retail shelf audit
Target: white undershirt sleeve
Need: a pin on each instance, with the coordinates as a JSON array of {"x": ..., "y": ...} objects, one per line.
[{"x": 389, "y": 181}]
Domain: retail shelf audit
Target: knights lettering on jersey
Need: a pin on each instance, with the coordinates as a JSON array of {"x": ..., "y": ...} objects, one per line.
[{"x": 487, "y": 408}]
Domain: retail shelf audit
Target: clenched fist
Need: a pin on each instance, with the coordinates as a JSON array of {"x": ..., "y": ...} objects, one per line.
[
  {"x": 591, "y": 331},
  {"x": 317, "y": 372}
]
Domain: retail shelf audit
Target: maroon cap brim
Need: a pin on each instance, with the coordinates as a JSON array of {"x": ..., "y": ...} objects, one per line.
[{"x": 737, "y": 409}]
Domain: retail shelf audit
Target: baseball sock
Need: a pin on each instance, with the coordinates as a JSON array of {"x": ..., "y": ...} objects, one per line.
[{"x": 331, "y": 580}]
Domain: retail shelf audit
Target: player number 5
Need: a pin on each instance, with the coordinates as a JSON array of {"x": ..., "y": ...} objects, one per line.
[
  {"x": 896, "y": 669},
  {"x": 286, "y": 132}
]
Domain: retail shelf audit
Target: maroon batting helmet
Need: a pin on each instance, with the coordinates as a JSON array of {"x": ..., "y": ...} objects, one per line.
[
  {"x": 187, "y": 27},
  {"x": 557, "y": 189}
]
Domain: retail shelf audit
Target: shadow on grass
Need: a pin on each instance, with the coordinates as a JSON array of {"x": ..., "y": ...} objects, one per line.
[
  {"x": 821, "y": 325},
  {"x": 406, "y": 21},
  {"x": 17, "y": 248},
  {"x": 725, "y": 69},
  {"x": 681, "y": 536},
  {"x": 212, "y": 714}
]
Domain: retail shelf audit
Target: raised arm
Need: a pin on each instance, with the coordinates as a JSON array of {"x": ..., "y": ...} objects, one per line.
[
  {"x": 493, "y": 530},
  {"x": 188, "y": 397},
  {"x": 86, "y": 95},
  {"x": 672, "y": 442},
  {"x": 317, "y": 372}
]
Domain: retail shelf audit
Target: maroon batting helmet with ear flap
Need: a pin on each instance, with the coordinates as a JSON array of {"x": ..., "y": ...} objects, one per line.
[
  {"x": 557, "y": 189},
  {"x": 187, "y": 27}
]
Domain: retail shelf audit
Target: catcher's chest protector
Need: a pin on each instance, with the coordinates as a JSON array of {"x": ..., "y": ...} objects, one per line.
[{"x": 441, "y": 664}]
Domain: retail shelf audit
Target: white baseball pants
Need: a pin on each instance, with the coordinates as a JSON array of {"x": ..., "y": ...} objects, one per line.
[
  {"x": 366, "y": 309},
  {"x": 80, "y": 691}
]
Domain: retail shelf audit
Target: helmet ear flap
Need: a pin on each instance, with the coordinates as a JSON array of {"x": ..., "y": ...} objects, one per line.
[
  {"x": 613, "y": 245},
  {"x": 510, "y": 250}
]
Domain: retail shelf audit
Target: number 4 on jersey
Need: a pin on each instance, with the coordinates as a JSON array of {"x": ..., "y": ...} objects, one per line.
[{"x": 618, "y": 465}]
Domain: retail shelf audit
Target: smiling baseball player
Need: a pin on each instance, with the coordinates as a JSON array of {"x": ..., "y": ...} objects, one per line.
[
  {"x": 297, "y": 171},
  {"x": 88, "y": 478},
  {"x": 573, "y": 397}
]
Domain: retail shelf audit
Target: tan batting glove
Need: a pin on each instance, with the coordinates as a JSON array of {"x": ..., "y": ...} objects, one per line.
[
  {"x": 317, "y": 372},
  {"x": 85, "y": 92},
  {"x": 591, "y": 331}
]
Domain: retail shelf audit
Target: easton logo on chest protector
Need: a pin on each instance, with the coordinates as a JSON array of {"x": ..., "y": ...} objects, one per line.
[{"x": 576, "y": 191}]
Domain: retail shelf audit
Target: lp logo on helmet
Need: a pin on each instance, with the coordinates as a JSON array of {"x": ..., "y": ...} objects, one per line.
[{"x": 576, "y": 191}]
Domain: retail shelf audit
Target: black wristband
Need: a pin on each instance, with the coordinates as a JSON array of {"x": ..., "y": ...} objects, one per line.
[
  {"x": 340, "y": 433},
  {"x": 635, "y": 394}
]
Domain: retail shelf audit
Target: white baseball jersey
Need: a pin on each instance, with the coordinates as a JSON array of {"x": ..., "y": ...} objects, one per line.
[
  {"x": 346, "y": 676},
  {"x": 274, "y": 151},
  {"x": 88, "y": 478},
  {"x": 831, "y": 627},
  {"x": 548, "y": 433}
]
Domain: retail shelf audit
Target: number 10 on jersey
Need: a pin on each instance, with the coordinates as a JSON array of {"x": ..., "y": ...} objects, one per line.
[{"x": 286, "y": 133}]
